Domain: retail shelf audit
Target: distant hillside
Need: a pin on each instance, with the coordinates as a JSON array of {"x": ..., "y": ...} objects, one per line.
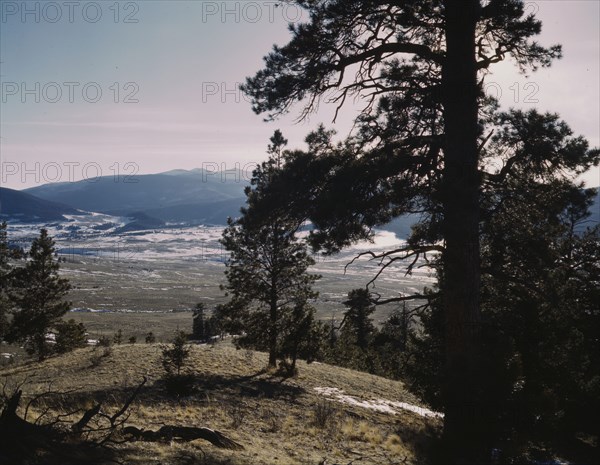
[
  {"x": 25, "y": 207},
  {"x": 201, "y": 213},
  {"x": 401, "y": 225},
  {"x": 154, "y": 194},
  {"x": 179, "y": 196},
  {"x": 140, "y": 222}
]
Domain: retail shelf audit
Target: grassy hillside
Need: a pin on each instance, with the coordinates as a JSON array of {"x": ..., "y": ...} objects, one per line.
[{"x": 292, "y": 421}]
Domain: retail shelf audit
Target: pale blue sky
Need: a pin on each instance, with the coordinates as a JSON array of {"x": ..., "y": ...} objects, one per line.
[{"x": 181, "y": 61}]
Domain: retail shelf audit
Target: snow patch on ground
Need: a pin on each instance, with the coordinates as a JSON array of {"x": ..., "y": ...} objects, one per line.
[{"x": 379, "y": 405}]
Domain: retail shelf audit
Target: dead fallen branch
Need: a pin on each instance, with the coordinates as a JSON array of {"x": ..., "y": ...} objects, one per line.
[
  {"x": 183, "y": 433},
  {"x": 54, "y": 442}
]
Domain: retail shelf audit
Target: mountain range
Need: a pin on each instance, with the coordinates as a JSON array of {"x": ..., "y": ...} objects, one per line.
[
  {"x": 22, "y": 206},
  {"x": 181, "y": 197},
  {"x": 195, "y": 196}
]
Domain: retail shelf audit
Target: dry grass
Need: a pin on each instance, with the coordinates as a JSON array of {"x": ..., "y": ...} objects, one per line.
[{"x": 273, "y": 418}]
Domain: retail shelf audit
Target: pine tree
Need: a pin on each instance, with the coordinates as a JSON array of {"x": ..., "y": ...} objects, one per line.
[
  {"x": 175, "y": 356},
  {"x": 5, "y": 276},
  {"x": 301, "y": 335},
  {"x": 38, "y": 296},
  {"x": 391, "y": 342},
  {"x": 357, "y": 318},
  {"x": 70, "y": 335},
  {"x": 267, "y": 270},
  {"x": 199, "y": 323},
  {"x": 420, "y": 65},
  {"x": 356, "y": 333},
  {"x": 540, "y": 289}
]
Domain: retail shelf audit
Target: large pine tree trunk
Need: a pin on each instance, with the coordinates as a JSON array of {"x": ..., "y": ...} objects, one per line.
[{"x": 463, "y": 424}]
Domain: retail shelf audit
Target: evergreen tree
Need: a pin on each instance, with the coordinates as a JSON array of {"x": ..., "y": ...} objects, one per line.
[
  {"x": 421, "y": 66},
  {"x": 391, "y": 342},
  {"x": 357, "y": 318},
  {"x": 226, "y": 319},
  {"x": 395, "y": 329},
  {"x": 540, "y": 289},
  {"x": 300, "y": 335},
  {"x": 267, "y": 270},
  {"x": 174, "y": 357},
  {"x": 70, "y": 335},
  {"x": 354, "y": 344},
  {"x": 199, "y": 322},
  {"x": 5, "y": 274},
  {"x": 541, "y": 298},
  {"x": 38, "y": 295}
]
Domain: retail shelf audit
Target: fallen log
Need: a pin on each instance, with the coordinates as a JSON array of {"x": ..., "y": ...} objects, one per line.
[
  {"x": 24, "y": 442},
  {"x": 183, "y": 433}
]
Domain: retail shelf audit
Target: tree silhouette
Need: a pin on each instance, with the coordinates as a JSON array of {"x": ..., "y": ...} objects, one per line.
[
  {"x": 267, "y": 270},
  {"x": 70, "y": 335},
  {"x": 540, "y": 288},
  {"x": 199, "y": 330},
  {"x": 357, "y": 321},
  {"x": 38, "y": 295},
  {"x": 5, "y": 274},
  {"x": 421, "y": 65},
  {"x": 174, "y": 356}
]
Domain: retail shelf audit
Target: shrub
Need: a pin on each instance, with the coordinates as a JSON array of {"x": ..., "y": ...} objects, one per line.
[
  {"x": 132, "y": 340},
  {"x": 150, "y": 338},
  {"x": 324, "y": 414},
  {"x": 273, "y": 420},
  {"x": 8, "y": 360},
  {"x": 97, "y": 356},
  {"x": 237, "y": 413},
  {"x": 118, "y": 337}
]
